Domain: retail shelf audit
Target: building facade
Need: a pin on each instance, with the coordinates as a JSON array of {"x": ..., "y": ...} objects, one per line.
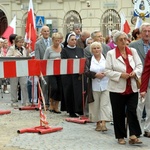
[{"x": 60, "y": 15}]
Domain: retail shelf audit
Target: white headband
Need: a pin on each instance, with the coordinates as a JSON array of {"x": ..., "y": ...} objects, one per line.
[{"x": 70, "y": 36}]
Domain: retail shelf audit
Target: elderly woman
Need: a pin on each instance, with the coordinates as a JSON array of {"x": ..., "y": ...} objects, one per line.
[
  {"x": 17, "y": 50},
  {"x": 53, "y": 52},
  {"x": 72, "y": 83},
  {"x": 122, "y": 65},
  {"x": 99, "y": 108}
]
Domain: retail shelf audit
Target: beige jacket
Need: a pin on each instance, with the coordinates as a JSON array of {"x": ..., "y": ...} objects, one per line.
[
  {"x": 116, "y": 66},
  {"x": 15, "y": 53}
]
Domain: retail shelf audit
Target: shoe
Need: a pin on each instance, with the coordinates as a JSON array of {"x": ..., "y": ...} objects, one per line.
[
  {"x": 73, "y": 115},
  {"x": 26, "y": 104},
  {"x": 146, "y": 134},
  {"x": 121, "y": 141},
  {"x": 103, "y": 128},
  {"x": 134, "y": 140},
  {"x": 14, "y": 101},
  {"x": 14, "y": 105},
  {"x": 56, "y": 111},
  {"x": 51, "y": 110},
  {"x": 6, "y": 92},
  {"x": 98, "y": 128}
]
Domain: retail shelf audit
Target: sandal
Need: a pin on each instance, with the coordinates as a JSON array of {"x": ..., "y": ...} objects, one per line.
[
  {"x": 134, "y": 141},
  {"x": 147, "y": 134},
  {"x": 98, "y": 128},
  {"x": 104, "y": 128},
  {"x": 122, "y": 141}
]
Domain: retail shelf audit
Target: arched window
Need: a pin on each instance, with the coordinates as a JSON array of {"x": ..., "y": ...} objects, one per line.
[
  {"x": 3, "y": 22},
  {"x": 110, "y": 20},
  {"x": 72, "y": 17}
]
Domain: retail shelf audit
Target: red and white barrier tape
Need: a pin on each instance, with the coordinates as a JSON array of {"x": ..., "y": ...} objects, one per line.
[{"x": 34, "y": 67}]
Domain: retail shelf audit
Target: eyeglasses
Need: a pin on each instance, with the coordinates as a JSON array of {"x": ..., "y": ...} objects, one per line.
[
  {"x": 122, "y": 39},
  {"x": 145, "y": 31}
]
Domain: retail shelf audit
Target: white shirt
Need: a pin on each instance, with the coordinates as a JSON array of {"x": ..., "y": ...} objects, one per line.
[{"x": 98, "y": 84}]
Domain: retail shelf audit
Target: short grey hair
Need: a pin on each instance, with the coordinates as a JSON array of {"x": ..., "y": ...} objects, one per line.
[
  {"x": 95, "y": 44},
  {"x": 117, "y": 34},
  {"x": 75, "y": 26},
  {"x": 93, "y": 34},
  {"x": 113, "y": 32},
  {"x": 143, "y": 25}
]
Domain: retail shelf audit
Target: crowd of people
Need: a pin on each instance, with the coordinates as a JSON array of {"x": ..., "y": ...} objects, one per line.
[{"x": 109, "y": 81}]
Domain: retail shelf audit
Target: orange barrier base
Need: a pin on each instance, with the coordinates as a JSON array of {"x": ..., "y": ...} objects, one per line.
[
  {"x": 3, "y": 112},
  {"x": 80, "y": 120},
  {"x": 40, "y": 130},
  {"x": 32, "y": 107}
]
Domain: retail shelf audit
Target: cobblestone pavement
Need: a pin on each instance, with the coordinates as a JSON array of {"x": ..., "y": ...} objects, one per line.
[{"x": 72, "y": 137}]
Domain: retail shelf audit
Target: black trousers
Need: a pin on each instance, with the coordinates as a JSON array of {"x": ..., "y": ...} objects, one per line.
[
  {"x": 56, "y": 87},
  {"x": 122, "y": 106}
]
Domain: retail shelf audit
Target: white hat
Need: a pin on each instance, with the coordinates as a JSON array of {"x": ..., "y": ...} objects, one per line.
[{"x": 1, "y": 40}]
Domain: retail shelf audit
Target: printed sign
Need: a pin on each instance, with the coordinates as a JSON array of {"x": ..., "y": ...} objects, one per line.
[{"x": 39, "y": 21}]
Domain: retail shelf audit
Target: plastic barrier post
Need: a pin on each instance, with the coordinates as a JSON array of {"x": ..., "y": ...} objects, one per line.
[{"x": 3, "y": 112}]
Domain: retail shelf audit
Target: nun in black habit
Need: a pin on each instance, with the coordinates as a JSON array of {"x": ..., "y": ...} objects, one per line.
[{"x": 72, "y": 83}]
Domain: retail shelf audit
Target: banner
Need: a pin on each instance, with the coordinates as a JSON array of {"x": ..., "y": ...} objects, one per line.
[{"x": 142, "y": 8}]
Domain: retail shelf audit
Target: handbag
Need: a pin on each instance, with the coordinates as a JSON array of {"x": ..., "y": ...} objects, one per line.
[{"x": 138, "y": 82}]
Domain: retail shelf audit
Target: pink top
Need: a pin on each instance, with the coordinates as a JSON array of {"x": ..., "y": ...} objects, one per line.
[{"x": 3, "y": 51}]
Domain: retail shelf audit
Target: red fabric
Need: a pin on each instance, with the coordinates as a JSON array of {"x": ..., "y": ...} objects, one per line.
[
  {"x": 30, "y": 27},
  {"x": 8, "y": 32},
  {"x": 11, "y": 29},
  {"x": 146, "y": 73},
  {"x": 118, "y": 54},
  {"x": 56, "y": 67},
  {"x": 129, "y": 69},
  {"x": 126, "y": 27}
]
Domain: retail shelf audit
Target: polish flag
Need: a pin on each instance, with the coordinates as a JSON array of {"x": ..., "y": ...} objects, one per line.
[
  {"x": 124, "y": 24},
  {"x": 11, "y": 29},
  {"x": 138, "y": 22},
  {"x": 30, "y": 36}
]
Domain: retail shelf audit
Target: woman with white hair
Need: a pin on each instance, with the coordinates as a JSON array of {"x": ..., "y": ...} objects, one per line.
[
  {"x": 122, "y": 66},
  {"x": 98, "y": 96}
]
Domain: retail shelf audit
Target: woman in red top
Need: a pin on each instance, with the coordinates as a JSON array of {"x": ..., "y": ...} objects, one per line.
[{"x": 122, "y": 64}]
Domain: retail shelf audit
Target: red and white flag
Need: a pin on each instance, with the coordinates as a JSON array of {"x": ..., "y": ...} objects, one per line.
[
  {"x": 138, "y": 23},
  {"x": 30, "y": 36},
  {"x": 124, "y": 24},
  {"x": 11, "y": 29}
]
